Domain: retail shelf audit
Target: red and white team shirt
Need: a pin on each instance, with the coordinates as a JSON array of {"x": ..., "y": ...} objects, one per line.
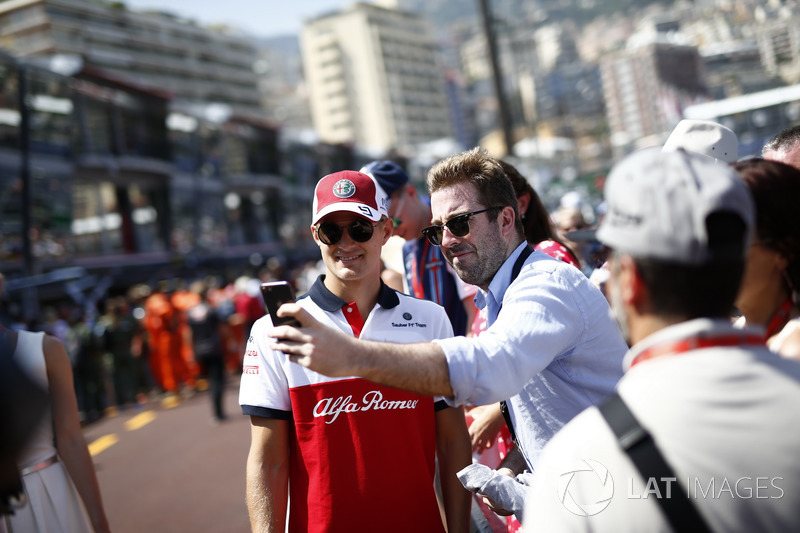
[{"x": 361, "y": 454}]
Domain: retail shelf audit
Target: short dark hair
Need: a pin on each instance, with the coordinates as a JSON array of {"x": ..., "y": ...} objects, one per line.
[
  {"x": 682, "y": 291},
  {"x": 484, "y": 172},
  {"x": 775, "y": 188},
  {"x": 783, "y": 141}
]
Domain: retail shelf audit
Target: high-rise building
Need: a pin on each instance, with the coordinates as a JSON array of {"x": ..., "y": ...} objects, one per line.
[
  {"x": 374, "y": 79},
  {"x": 734, "y": 69},
  {"x": 778, "y": 36},
  {"x": 647, "y": 87},
  {"x": 195, "y": 64}
]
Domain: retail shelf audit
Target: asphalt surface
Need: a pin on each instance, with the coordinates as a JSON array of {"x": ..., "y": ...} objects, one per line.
[{"x": 165, "y": 467}]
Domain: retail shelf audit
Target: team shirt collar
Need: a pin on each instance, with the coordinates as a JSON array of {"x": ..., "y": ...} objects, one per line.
[{"x": 327, "y": 301}]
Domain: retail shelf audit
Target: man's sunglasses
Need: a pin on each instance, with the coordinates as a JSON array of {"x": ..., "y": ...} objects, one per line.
[
  {"x": 458, "y": 226},
  {"x": 360, "y": 230}
]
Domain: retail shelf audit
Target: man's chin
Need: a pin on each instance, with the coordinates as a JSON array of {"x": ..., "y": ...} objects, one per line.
[{"x": 463, "y": 273}]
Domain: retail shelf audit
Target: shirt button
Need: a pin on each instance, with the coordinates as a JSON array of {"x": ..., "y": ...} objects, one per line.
[{"x": 349, "y": 309}]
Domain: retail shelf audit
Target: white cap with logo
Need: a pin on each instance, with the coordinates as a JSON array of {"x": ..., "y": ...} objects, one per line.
[
  {"x": 659, "y": 204},
  {"x": 706, "y": 138}
]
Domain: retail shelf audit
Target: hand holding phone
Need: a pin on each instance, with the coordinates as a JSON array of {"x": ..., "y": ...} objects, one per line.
[{"x": 275, "y": 294}]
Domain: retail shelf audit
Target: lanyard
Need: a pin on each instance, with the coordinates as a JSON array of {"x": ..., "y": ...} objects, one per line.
[
  {"x": 418, "y": 271},
  {"x": 779, "y": 318},
  {"x": 527, "y": 251},
  {"x": 503, "y": 405},
  {"x": 700, "y": 341}
]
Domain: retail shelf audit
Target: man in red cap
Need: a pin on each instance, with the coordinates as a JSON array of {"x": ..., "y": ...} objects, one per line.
[{"x": 346, "y": 453}]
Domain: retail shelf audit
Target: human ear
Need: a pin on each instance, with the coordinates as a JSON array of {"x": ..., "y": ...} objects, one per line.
[{"x": 523, "y": 202}]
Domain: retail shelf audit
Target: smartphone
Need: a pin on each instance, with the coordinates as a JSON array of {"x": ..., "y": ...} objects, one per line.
[{"x": 275, "y": 294}]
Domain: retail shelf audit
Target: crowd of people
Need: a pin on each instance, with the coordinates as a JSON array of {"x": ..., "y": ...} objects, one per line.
[
  {"x": 684, "y": 243},
  {"x": 154, "y": 341},
  {"x": 656, "y": 347}
]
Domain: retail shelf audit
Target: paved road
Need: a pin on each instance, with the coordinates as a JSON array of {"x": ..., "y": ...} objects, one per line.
[{"x": 169, "y": 469}]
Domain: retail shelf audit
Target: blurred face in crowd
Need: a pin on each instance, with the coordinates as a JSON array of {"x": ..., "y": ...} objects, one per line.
[
  {"x": 399, "y": 214},
  {"x": 570, "y": 220},
  {"x": 763, "y": 268},
  {"x": 347, "y": 259},
  {"x": 478, "y": 255},
  {"x": 614, "y": 292}
]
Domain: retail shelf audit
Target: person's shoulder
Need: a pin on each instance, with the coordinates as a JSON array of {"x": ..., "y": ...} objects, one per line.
[
  {"x": 420, "y": 303},
  {"x": 541, "y": 268},
  {"x": 55, "y": 354},
  {"x": 420, "y": 306},
  {"x": 788, "y": 344},
  {"x": 546, "y": 262}
]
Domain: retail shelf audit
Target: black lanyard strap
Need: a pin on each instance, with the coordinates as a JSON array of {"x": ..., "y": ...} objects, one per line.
[
  {"x": 526, "y": 252},
  {"x": 637, "y": 442}
]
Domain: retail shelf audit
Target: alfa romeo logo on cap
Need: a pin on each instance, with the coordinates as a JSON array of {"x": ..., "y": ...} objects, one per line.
[{"x": 344, "y": 189}]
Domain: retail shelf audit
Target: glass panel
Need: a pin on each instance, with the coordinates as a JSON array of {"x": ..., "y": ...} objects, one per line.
[
  {"x": 97, "y": 223},
  {"x": 99, "y": 131},
  {"x": 9, "y": 104},
  {"x": 143, "y": 129},
  {"x": 51, "y": 215},
  {"x": 145, "y": 217},
  {"x": 51, "y": 116},
  {"x": 185, "y": 208},
  {"x": 211, "y": 151},
  {"x": 235, "y": 219},
  {"x": 212, "y": 224},
  {"x": 198, "y": 218},
  {"x": 10, "y": 214},
  {"x": 184, "y": 141},
  {"x": 235, "y": 155}
]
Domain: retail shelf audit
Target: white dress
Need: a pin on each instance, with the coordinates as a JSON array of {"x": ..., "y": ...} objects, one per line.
[{"x": 54, "y": 505}]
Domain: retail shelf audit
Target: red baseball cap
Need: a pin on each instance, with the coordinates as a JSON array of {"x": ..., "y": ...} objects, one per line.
[{"x": 352, "y": 191}]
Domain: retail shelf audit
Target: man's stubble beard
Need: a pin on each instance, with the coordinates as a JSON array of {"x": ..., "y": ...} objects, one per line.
[{"x": 485, "y": 264}]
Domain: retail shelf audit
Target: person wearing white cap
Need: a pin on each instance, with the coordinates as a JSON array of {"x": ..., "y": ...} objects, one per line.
[
  {"x": 701, "y": 434},
  {"x": 550, "y": 349},
  {"x": 706, "y": 138},
  {"x": 349, "y": 454}
]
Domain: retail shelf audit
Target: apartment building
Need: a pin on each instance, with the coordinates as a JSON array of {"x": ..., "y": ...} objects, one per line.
[
  {"x": 779, "y": 44},
  {"x": 646, "y": 88},
  {"x": 374, "y": 79},
  {"x": 158, "y": 50}
]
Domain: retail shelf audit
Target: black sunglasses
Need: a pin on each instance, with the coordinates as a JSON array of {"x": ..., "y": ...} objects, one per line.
[
  {"x": 360, "y": 230},
  {"x": 458, "y": 226}
]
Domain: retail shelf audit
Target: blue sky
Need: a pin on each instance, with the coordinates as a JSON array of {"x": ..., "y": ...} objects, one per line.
[{"x": 263, "y": 18}]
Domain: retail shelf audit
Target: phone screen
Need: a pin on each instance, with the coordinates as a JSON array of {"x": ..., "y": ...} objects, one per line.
[{"x": 275, "y": 294}]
